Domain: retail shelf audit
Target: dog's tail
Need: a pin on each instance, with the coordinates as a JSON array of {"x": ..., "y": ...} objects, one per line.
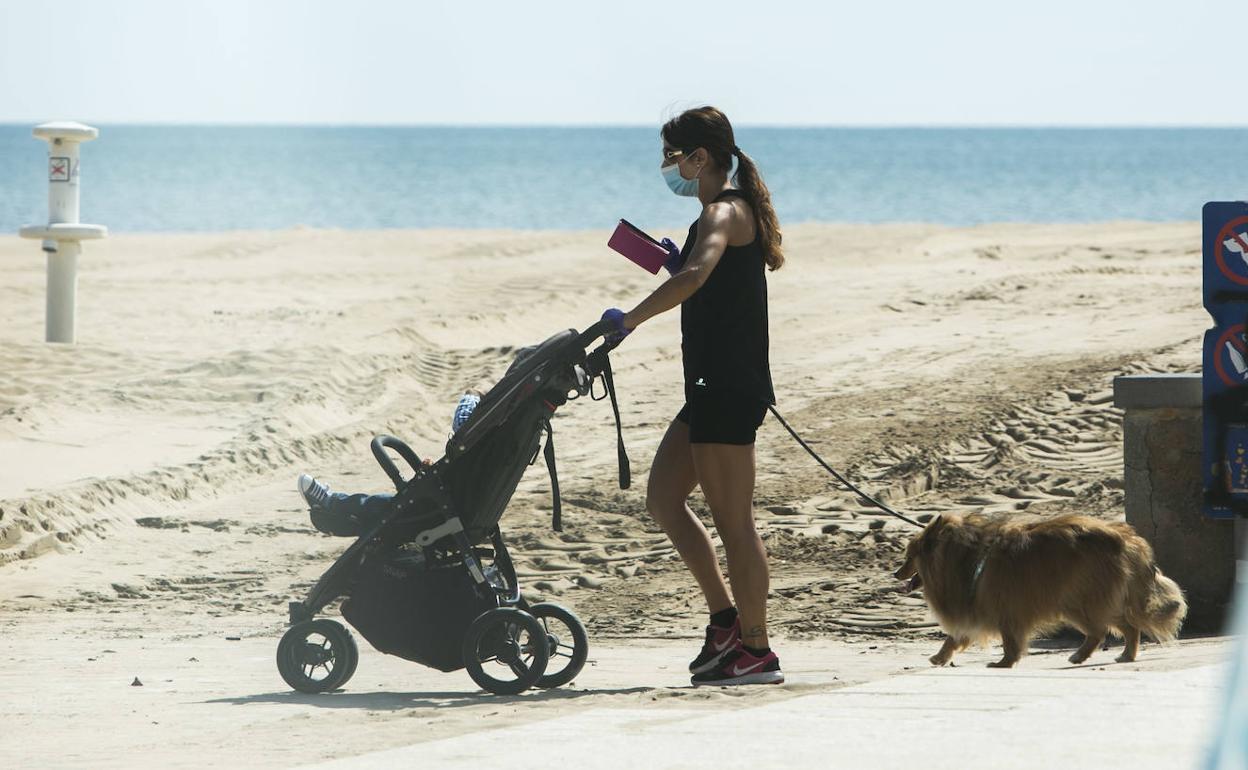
[{"x": 1164, "y": 608}]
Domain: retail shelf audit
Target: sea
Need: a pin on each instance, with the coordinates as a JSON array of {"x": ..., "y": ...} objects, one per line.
[{"x": 214, "y": 178}]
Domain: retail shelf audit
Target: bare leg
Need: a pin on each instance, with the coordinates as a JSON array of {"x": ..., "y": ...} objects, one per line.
[
  {"x": 1131, "y": 635},
  {"x": 672, "y": 478},
  {"x": 1015, "y": 645},
  {"x": 726, "y": 473},
  {"x": 947, "y": 650},
  {"x": 1091, "y": 641}
]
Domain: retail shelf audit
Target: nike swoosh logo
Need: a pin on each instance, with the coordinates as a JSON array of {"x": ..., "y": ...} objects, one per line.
[
  {"x": 738, "y": 671},
  {"x": 726, "y": 644}
]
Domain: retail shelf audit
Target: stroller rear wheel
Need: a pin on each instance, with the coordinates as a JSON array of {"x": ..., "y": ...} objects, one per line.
[
  {"x": 317, "y": 656},
  {"x": 508, "y": 640},
  {"x": 567, "y": 640}
]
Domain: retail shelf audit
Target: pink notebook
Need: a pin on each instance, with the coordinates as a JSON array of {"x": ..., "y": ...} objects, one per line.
[{"x": 632, "y": 242}]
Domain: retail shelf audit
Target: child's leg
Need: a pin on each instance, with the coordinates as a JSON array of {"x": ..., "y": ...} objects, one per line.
[{"x": 363, "y": 508}]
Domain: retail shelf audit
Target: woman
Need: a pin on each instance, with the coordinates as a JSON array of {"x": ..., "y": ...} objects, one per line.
[{"x": 719, "y": 282}]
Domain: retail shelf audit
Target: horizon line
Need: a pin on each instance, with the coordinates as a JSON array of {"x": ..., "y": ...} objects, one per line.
[{"x": 601, "y": 125}]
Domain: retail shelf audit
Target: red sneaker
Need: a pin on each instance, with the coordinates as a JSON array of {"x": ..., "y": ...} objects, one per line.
[
  {"x": 719, "y": 642},
  {"x": 738, "y": 666}
]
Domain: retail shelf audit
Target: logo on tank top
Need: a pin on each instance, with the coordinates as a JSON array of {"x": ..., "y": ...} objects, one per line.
[{"x": 701, "y": 382}]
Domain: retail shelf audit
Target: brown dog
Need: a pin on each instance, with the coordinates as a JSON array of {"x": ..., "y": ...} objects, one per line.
[{"x": 987, "y": 577}]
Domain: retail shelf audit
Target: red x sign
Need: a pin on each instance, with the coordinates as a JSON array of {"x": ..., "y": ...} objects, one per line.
[{"x": 58, "y": 169}]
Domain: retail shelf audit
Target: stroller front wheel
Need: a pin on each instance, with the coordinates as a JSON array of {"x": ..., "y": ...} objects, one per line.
[
  {"x": 567, "y": 640},
  {"x": 507, "y": 640},
  {"x": 317, "y": 656}
]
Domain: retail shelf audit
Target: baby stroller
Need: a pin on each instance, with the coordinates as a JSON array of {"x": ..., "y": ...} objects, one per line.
[{"x": 421, "y": 582}]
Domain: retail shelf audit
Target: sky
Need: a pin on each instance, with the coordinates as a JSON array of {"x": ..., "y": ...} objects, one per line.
[{"x": 633, "y": 62}]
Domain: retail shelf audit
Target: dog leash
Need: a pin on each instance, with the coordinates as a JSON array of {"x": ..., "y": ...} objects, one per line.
[{"x": 839, "y": 477}]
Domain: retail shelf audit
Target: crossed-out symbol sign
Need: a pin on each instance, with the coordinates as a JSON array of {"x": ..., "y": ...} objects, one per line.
[
  {"x": 1230, "y": 250},
  {"x": 1230, "y": 357},
  {"x": 58, "y": 169}
]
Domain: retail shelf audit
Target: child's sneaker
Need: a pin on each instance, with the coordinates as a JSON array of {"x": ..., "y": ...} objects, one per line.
[
  {"x": 719, "y": 642},
  {"x": 739, "y": 666},
  {"x": 315, "y": 493}
]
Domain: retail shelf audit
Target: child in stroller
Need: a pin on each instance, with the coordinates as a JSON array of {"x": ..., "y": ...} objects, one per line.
[
  {"x": 337, "y": 513},
  {"x": 419, "y": 581}
]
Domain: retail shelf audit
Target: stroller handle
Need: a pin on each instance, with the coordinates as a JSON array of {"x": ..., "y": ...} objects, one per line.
[
  {"x": 599, "y": 329},
  {"x": 596, "y": 358}
]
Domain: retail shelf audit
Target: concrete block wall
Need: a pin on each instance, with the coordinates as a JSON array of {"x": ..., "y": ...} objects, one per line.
[{"x": 1162, "y": 478}]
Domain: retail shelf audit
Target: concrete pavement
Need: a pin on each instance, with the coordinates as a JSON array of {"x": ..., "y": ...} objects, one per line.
[{"x": 1043, "y": 714}]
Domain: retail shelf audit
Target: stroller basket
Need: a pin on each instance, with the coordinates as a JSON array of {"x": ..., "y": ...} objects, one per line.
[{"x": 394, "y": 599}]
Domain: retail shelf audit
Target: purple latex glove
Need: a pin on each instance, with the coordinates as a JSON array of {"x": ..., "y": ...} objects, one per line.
[
  {"x": 673, "y": 260},
  {"x": 616, "y": 317}
]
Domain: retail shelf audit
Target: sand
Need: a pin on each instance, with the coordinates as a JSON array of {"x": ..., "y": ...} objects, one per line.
[{"x": 146, "y": 473}]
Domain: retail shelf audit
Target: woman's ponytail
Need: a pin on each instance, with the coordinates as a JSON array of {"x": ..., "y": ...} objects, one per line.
[{"x": 751, "y": 183}]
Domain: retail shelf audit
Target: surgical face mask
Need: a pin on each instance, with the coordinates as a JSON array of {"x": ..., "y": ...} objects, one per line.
[{"x": 679, "y": 185}]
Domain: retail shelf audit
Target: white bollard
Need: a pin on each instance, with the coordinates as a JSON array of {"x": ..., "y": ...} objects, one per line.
[
  {"x": 62, "y": 235},
  {"x": 62, "y": 299}
]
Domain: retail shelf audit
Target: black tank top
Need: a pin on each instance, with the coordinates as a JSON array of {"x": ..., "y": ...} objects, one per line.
[{"x": 724, "y": 324}]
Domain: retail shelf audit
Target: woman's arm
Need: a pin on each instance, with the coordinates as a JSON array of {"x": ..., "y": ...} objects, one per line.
[{"x": 712, "y": 240}]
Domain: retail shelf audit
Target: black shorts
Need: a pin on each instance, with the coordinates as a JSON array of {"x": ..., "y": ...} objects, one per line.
[{"x": 723, "y": 418}]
